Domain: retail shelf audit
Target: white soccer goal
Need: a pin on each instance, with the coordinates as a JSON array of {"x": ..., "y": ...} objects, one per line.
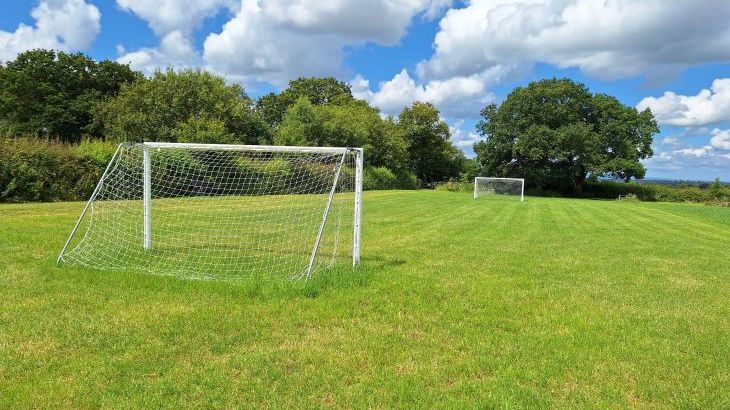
[
  {"x": 222, "y": 211},
  {"x": 499, "y": 186}
]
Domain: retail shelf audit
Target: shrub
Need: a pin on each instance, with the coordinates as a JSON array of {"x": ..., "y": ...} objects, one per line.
[
  {"x": 455, "y": 186},
  {"x": 99, "y": 151},
  {"x": 657, "y": 192},
  {"x": 378, "y": 178},
  {"x": 33, "y": 169},
  {"x": 406, "y": 180}
]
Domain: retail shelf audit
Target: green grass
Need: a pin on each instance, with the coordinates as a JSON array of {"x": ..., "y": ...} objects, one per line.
[{"x": 459, "y": 303}]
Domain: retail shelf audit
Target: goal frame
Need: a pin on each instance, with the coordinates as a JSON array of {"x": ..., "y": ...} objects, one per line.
[
  {"x": 147, "y": 188},
  {"x": 521, "y": 180}
]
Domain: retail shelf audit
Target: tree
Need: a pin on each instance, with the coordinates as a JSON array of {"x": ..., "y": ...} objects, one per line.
[
  {"x": 45, "y": 93},
  {"x": 432, "y": 157},
  {"x": 354, "y": 124},
  {"x": 183, "y": 106},
  {"x": 319, "y": 91},
  {"x": 716, "y": 189},
  {"x": 555, "y": 134}
]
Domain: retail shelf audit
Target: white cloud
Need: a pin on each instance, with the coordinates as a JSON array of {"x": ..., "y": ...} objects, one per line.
[
  {"x": 277, "y": 40},
  {"x": 672, "y": 140},
  {"x": 380, "y": 21},
  {"x": 709, "y": 106},
  {"x": 463, "y": 139},
  {"x": 720, "y": 140},
  {"x": 252, "y": 46},
  {"x": 687, "y": 161},
  {"x": 59, "y": 24},
  {"x": 175, "y": 50},
  {"x": 456, "y": 97},
  {"x": 166, "y": 16},
  {"x": 174, "y": 22},
  {"x": 605, "y": 39},
  {"x": 697, "y": 152}
]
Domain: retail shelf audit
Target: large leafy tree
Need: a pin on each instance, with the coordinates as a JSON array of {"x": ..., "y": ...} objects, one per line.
[
  {"x": 555, "y": 133},
  {"x": 318, "y": 90},
  {"x": 46, "y": 93},
  {"x": 431, "y": 155},
  {"x": 354, "y": 124},
  {"x": 183, "y": 106}
]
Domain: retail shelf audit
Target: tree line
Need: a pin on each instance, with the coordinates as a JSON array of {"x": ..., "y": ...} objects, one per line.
[
  {"x": 71, "y": 97},
  {"x": 554, "y": 133}
]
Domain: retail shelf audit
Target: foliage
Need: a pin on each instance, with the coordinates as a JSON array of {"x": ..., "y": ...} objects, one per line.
[
  {"x": 550, "y": 303},
  {"x": 44, "y": 93},
  {"x": 317, "y": 90},
  {"x": 656, "y": 192},
  {"x": 456, "y": 186},
  {"x": 352, "y": 124},
  {"x": 99, "y": 151},
  {"x": 183, "y": 106},
  {"x": 378, "y": 178},
  {"x": 555, "y": 134},
  {"x": 718, "y": 191},
  {"x": 432, "y": 157},
  {"x": 34, "y": 169}
]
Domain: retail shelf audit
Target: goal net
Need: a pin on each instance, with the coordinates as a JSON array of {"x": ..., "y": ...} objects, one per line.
[
  {"x": 485, "y": 186},
  {"x": 222, "y": 211}
]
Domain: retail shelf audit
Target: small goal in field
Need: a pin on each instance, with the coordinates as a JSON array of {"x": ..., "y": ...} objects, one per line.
[
  {"x": 222, "y": 211},
  {"x": 487, "y": 186}
]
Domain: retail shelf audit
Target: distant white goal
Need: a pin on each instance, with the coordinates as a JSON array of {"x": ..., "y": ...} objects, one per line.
[
  {"x": 484, "y": 186},
  {"x": 222, "y": 211}
]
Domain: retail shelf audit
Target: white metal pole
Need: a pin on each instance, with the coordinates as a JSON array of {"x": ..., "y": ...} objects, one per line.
[
  {"x": 147, "y": 197},
  {"x": 359, "y": 154},
  {"x": 324, "y": 217},
  {"x": 88, "y": 204},
  {"x": 475, "y": 187},
  {"x": 522, "y": 193}
]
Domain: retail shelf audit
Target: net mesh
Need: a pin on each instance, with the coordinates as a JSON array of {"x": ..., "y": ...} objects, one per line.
[
  {"x": 219, "y": 213},
  {"x": 484, "y": 186}
]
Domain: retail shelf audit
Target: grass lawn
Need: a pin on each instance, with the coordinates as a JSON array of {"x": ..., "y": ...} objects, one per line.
[{"x": 458, "y": 303}]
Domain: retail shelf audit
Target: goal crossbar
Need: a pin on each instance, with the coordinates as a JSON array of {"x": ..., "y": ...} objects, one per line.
[{"x": 260, "y": 148}]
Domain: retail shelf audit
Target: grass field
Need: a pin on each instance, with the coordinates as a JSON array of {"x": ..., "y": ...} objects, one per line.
[{"x": 458, "y": 303}]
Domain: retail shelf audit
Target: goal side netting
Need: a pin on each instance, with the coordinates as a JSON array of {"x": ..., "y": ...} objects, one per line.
[
  {"x": 499, "y": 187},
  {"x": 222, "y": 211}
]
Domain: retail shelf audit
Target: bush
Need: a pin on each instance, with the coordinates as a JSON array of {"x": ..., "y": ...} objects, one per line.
[
  {"x": 455, "y": 186},
  {"x": 406, "y": 180},
  {"x": 657, "y": 192},
  {"x": 378, "y": 178},
  {"x": 98, "y": 151},
  {"x": 40, "y": 170}
]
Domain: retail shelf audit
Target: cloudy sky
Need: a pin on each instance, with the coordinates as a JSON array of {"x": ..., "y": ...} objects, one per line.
[{"x": 670, "y": 56}]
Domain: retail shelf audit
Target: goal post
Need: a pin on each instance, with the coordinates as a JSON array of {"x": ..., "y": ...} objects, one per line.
[
  {"x": 222, "y": 211},
  {"x": 484, "y": 186}
]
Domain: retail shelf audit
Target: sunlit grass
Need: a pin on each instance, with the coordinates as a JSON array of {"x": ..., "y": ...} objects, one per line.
[{"x": 458, "y": 303}]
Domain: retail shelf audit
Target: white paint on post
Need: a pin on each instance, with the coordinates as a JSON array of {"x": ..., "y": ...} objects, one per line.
[
  {"x": 231, "y": 147},
  {"x": 147, "y": 197},
  {"x": 522, "y": 193},
  {"x": 358, "y": 206},
  {"x": 313, "y": 256}
]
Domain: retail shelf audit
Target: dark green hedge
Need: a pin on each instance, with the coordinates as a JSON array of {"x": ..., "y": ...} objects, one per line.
[
  {"x": 657, "y": 192},
  {"x": 34, "y": 169},
  {"x": 708, "y": 193},
  {"x": 38, "y": 170}
]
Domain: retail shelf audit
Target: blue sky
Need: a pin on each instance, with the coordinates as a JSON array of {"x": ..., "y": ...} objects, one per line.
[{"x": 460, "y": 55}]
